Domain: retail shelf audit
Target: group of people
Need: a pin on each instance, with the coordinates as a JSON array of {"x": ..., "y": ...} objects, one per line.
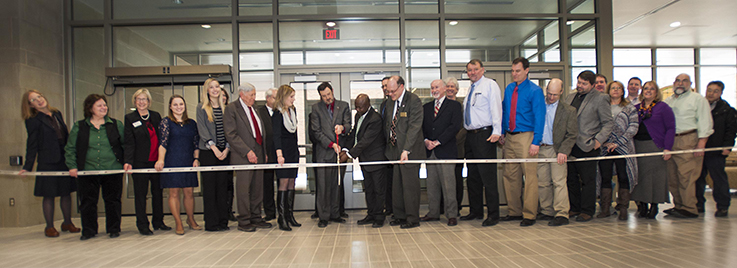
[{"x": 597, "y": 120}]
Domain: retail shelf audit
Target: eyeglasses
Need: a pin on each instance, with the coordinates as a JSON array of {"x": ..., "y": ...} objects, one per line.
[
  {"x": 142, "y": 99},
  {"x": 36, "y": 99}
]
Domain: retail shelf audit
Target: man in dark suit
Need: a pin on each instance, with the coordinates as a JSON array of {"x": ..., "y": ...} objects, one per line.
[
  {"x": 330, "y": 120},
  {"x": 389, "y": 169},
  {"x": 559, "y": 136},
  {"x": 264, "y": 113},
  {"x": 441, "y": 121},
  {"x": 245, "y": 131},
  {"x": 403, "y": 128},
  {"x": 594, "y": 126},
  {"x": 366, "y": 140}
]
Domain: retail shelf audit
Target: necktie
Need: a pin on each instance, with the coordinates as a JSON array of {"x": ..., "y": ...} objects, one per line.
[
  {"x": 259, "y": 139},
  {"x": 513, "y": 110},
  {"x": 330, "y": 110},
  {"x": 467, "y": 116},
  {"x": 437, "y": 107},
  {"x": 358, "y": 127},
  {"x": 392, "y": 129}
]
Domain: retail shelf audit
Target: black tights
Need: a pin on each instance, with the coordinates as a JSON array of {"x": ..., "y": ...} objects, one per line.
[
  {"x": 65, "y": 202},
  {"x": 286, "y": 184}
]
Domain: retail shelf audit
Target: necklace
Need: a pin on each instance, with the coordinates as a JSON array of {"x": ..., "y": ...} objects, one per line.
[{"x": 147, "y": 116}]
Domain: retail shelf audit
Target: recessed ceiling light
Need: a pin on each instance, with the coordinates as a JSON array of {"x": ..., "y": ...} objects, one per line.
[
  {"x": 206, "y": 26},
  {"x": 675, "y": 24},
  {"x": 330, "y": 24},
  {"x": 178, "y": 2},
  {"x": 221, "y": 40},
  {"x": 453, "y": 23},
  {"x": 570, "y": 22}
]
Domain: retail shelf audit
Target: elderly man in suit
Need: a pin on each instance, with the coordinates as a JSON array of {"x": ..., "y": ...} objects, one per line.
[
  {"x": 403, "y": 128},
  {"x": 559, "y": 136},
  {"x": 366, "y": 141},
  {"x": 442, "y": 119},
  {"x": 265, "y": 115},
  {"x": 245, "y": 131},
  {"x": 330, "y": 121},
  {"x": 594, "y": 125}
]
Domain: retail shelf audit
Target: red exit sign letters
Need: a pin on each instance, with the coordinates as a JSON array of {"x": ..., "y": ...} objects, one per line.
[{"x": 330, "y": 34}]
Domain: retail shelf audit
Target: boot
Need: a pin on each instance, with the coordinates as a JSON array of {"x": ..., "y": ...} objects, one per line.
[
  {"x": 605, "y": 203},
  {"x": 653, "y": 211},
  {"x": 623, "y": 203},
  {"x": 290, "y": 211},
  {"x": 642, "y": 209},
  {"x": 281, "y": 210}
]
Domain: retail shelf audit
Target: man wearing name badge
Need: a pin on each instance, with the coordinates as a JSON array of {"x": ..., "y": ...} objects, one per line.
[
  {"x": 559, "y": 136},
  {"x": 594, "y": 126},
  {"x": 482, "y": 118},
  {"x": 441, "y": 121},
  {"x": 694, "y": 125},
  {"x": 388, "y": 210},
  {"x": 634, "y": 86},
  {"x": 265, "y": 113},
  {"x": 330, "y": 119},
  {"x": 523, "y": 121},
  {"x": 245, "y": 131},
  {"x": 403, "y": 127},
  {"x": 367, "y": 142}
]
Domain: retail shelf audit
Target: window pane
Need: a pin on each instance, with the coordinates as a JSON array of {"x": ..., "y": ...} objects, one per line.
[
  {"x": 501, "y": 7},
  {"x": 580, "y": 7},
  {"x": 491, "y": 40},
  {"x": 393, "y": 56},
  {"x": 674, "y": 56},
  {"x": 631, "y": 57},
  {"x": 254, "y": 7},
  {"x": 291, "y": 58},
  {"x": 578, "y": 70},
  {"x": 424, "y": 57},
  {"x": 88, "y": 65},
  {"x": 718, "y": 56},
  {"x": 307, "y": 35},
  {"x": 146, "y": 9},
  {"x": 344, "y": 57},
  {"x": 420, "y": 6},
  {"x": 256, "y": 37},
  {"x": 257, "y": 61},
  {"x": 583, "y": 57},
  {"x": 292, "y": 7},
  {"x": 421, "y": 78},
  {"x": 666, "y": 75},
  {"x": 423, "y": 43},
  {"x": 87, "y": 9},
  {"x": 551, "y": 33},
  {"x": 728, "y": 76},
  {"x": 552, "y": 55},
  {"x": 219, "y": 58},
  {"x": 623, "y": 74},
  {"x": 457, "y": 55},
  {"x": 261, "y": 80}
]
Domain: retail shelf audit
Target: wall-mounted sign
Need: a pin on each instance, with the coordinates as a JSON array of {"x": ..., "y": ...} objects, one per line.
[{"x": 330, "y": 34}]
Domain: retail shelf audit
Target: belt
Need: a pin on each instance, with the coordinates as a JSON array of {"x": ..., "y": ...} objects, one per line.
[
  {"x": 479, "y": 129},
  {"x": 686, "y": 132},
  {"x": 514, "y": 133},
  {"x": 543, "y": 145}
]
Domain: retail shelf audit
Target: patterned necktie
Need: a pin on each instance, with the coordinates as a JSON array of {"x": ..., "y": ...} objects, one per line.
[
  {"x": 259, "y": 139},
  {"x": 392, "y": 129},
  {"x": 467, "y": 116},
  {"x": 513, "y": 110},
  {"x": 437, "y": 107}
]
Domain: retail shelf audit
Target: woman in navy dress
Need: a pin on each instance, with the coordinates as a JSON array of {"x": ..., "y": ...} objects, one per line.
[
  {"x": 178, "y": 148},
  {"x": 284, "y": 122},
  {"x": 47, "y": 135}
]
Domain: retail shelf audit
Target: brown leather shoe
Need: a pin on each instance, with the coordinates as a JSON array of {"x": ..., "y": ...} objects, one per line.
[
  {"x": 70, "y": 228},
  {"x": 51, "y": 232},
  {"x": 452, "y": 222}
]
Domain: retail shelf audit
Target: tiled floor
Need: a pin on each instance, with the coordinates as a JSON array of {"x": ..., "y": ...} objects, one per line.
[{"x": 665, "y": 242}]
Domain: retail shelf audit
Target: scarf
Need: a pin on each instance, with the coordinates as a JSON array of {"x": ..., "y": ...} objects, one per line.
[{"x": 290, "y": 123}]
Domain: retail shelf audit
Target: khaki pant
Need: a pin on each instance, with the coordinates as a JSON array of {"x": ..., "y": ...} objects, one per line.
[
  {"x": 515, "y": 147},
  {"x": 441, "y": 178},
  {"x": 552, "y": 185},
  {"x": 683, "y": 171}
]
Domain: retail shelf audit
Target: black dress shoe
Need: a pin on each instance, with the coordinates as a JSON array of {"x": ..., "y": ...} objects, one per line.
[
  {"x": 490, "y": 222},
  {"x": 338, "y": 220},
  {"x": 214, "y": 229},
  {"x": 344, "y": 215},
  {"x": 85, "y": 237},
  {"x": 452, "y": 222},
  {"x": 232, "y": 217},
  {"x": 669, "y": 211},
  {"x": 162, "y": 227},
  {"x": 269, "y": 217},
  {"x": 114, "y": 234},
  {"x": 721, "y": 213},
  {"x": 511, "y": 218},
  {"x": 543, "y": 217},
  {"x": 680, "y": 213},
  {"x": 145, "y": 232},
  {"x": 378, "y": 224},
  {"x": 247, "y": 228},
  {"x": 397, "y": 222},
  {"x": 366, "y": 220},
  {"x": 558, "y": 221},
  {"x": 263, "y": 225},
  {"x": 583, "y": 217},
  {"x": 408, "y": 225},
  {"x": 322, "y": 224},
  {"x": 527, "y": 222},
  {"x": 314, "y": 215},
  {"x": 426, "y": 218},
  {"x": 471, "y": 217},
  {"x": 224, "y": 228}
]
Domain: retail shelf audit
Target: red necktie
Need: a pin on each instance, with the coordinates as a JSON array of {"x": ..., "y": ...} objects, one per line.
[
  {"x": 259, "y": 140},
  {"x": 513, "y": 110}
]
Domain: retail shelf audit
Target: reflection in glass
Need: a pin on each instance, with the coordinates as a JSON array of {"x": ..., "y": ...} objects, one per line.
[
  {"x": 727, "y": 76},
  {"x": 353, "y": 35},
  {"x": 632, "y": 57},
  {"x": 254, "y": 7},
  {"x": 304, "y": 7},
  {"x": 583, "y": 57},
  {"x": 674, "y": 56},
  {"x": 261, "y": 80},
  {"x": 718, "y": 56},
  {"x": 87, "y": 9},
  {"x": 256, "y": 37},
  {"x": 580, "y": 6},
  {"x": 499, "y": 38},
  {"x": 501, "y": 7},
  {"x": 257, "y": 61},
  {"x": 146, "y": 9},
  {"x": 420, "y": 6}
]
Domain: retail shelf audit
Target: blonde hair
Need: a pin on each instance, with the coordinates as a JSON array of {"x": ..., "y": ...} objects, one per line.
[
  {"x": 26, "y": 111},
  {"x": 144, "y": 92},
  {"x": 284, "y": 92},
  {"x": 658, "y": 94},
  {"x": 623, "y": 101},
  {"x": 206, "y": 104}
]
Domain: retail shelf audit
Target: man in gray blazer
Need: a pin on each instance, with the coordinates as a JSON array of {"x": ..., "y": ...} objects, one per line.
[
  {"x": 594, "y": 125},
  {"x": 559, "y": 136},
  {"x": 245, "y": 133},
  {"x": 403, "y": 126},
  {"x": 330, "y": 121}
]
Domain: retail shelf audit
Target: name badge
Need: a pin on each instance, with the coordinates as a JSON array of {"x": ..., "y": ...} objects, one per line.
[
  {"x": 402, "y": 114},
  {"x": 137, "y": 124}
]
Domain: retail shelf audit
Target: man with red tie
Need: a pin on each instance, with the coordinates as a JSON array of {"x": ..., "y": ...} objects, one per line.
[{"x": 523, "y": 121}]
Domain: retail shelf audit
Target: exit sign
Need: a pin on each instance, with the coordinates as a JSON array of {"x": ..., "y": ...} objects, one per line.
[{"x": 330, "y": 34}]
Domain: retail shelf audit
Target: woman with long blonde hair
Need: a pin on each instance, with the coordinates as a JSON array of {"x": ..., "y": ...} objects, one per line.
[{"x": 284, "y": 123}]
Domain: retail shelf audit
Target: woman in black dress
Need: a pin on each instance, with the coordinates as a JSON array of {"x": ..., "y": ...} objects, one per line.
[
  {"x": 284, "y": 122},
  {"x": 47, "y": 135},
  {"x": 178, "y": 148}
]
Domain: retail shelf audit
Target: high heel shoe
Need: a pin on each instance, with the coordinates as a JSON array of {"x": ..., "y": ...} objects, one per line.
[
  {"x": 281, "y": 211},
  {"x": 70, "y": 228},
  {"x": 194, "y": 227},
  {"x": 290, "y": 210},
  {"x": 179, "y": 231}
]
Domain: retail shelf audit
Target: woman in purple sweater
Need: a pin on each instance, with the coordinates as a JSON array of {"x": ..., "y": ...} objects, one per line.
[{"x": 656, "y": 133}]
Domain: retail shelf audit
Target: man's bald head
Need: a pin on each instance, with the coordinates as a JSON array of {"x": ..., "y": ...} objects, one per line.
[
  {"x": 553, "y": 91},
  {"x": 362, "y": 104}
]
